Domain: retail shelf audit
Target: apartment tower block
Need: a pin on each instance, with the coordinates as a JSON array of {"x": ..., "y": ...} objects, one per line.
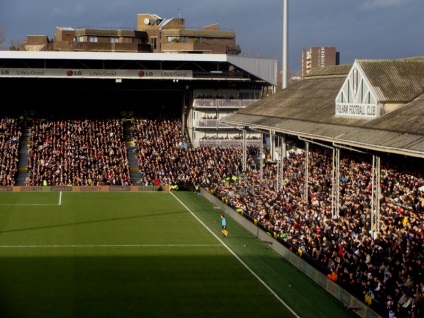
[{"x": 318, "y": 56}]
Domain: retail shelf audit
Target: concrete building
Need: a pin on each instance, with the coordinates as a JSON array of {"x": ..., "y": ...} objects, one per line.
[
  {"x": 318, "y": 56},
  {"x": 153, "y": 34}
]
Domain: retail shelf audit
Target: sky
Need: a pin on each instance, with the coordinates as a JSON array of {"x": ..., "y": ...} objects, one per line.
[{"x": 359, "y": 29}]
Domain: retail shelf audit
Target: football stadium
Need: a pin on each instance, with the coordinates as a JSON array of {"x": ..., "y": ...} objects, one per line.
[{"x": 116, "y": 169}]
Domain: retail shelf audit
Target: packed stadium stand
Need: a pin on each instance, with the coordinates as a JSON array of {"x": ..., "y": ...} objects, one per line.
[{"x": 331, "y": 219}]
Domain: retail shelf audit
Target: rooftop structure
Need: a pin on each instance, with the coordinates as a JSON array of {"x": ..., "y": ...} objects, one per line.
[{"x": 153, "y": 34}]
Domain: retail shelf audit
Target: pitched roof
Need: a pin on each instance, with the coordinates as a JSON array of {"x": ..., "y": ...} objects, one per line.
[
  {"x": 307, "y": 109},
  {"x": 395, "y": 80}
]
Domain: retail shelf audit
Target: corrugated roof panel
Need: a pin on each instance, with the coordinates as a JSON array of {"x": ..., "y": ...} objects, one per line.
[
  {"x": 333, "y": 131},
  {"x": 366, "y": 136},
  {"x": 307, "y": 108},
  {"x": 416, "y": 145},
  {"x": 398, "y": 80},
  {"x": 402, "y": 141},
  {"x": 330, "y": 70}
]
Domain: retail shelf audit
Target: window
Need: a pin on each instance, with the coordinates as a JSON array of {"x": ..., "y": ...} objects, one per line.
[
  {"x": 171, "y": 39},
  {"x": 113, "y": 39},
  {"x": 92, "y": 38},
  {"x": 154, "y": 43}
]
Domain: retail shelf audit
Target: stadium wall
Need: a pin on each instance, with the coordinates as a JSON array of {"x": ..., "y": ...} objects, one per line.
[
  {"x": 83, "y": 188},
  {"x": 269, "y": 239}
]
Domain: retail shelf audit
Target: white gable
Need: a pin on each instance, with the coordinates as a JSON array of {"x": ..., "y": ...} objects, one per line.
[{"x": 357, "y": 98}]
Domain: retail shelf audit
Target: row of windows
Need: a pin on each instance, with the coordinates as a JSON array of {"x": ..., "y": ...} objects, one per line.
[
  {"x": 113, "y": 39},
  {"x": 182, "y": 39}
]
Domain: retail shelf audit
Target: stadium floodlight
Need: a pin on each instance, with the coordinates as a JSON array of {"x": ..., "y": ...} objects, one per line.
[{"x": 285, "y": 43}]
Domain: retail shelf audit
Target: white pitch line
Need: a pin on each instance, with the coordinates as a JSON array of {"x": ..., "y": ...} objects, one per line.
[
  {"x": 109, "y": 245},
  {"x": 18, "y": 204},
  {"x": 239, "y": 259}
]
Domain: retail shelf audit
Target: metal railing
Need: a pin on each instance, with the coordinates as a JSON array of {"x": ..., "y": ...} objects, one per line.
[
  {"x": 222, "y": 103},
  {"x": 211, "y": 123},
  {"x": 225, "y": 142}
]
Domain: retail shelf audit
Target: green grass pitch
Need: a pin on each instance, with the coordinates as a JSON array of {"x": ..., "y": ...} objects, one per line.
[{"x": 142, "y": 254}]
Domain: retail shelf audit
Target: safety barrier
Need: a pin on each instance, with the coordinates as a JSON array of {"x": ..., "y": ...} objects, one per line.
[{"x": 350, "y": 301}]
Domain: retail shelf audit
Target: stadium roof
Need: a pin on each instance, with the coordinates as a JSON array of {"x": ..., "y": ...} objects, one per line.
[
  {"x": 307, "y": 108},
  {"x": 262, "y": 68}
]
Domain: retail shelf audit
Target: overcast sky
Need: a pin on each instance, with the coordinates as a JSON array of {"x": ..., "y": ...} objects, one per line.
[{"x": 359, "y": 29}]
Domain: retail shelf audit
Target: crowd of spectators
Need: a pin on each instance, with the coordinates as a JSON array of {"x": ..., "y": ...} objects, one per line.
[
  {"x": 165, "y": 158},
  {"x": 385, "y": 270},
  {"x": 10, "y": 134},
  {"x": 78, "y": 152}
]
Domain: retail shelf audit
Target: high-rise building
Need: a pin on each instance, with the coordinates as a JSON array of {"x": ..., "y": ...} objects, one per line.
[{"x": 319, "y": 56}]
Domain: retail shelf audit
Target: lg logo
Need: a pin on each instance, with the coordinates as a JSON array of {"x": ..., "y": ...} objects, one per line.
[
  {"x": 143, "y": 73},
  {"x": 72, "y": 73}
]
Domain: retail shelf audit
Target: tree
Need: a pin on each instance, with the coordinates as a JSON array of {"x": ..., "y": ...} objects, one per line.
[
  {"x": 17, "y": 45},
  {"x": 292, "y": 78},
  {"x": 2, "y": 36}
]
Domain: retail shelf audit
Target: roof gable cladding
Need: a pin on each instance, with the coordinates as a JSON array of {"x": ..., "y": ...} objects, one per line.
[
  {"x": 356, "y": 88},
  {"x": 357, "y": 93},
  {"x": 395, "y": 80}
]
